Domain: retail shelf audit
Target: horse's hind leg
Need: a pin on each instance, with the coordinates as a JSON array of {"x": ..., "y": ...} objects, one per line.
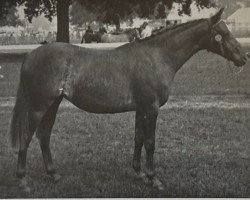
[
  {"x": 34, "y": 118},
  {"x": 44, "y": 133}
]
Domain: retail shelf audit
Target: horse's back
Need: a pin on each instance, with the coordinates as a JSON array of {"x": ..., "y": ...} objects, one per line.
[{"x": 53, "y": 56}]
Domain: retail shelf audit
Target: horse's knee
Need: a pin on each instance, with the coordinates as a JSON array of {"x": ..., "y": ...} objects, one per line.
[
  {"x": 20, "y": 173},
  {"x": 138, "y": 140}
]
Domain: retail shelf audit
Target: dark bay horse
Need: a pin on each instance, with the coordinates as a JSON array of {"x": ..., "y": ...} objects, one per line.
[{"x": 134, "y": 77}]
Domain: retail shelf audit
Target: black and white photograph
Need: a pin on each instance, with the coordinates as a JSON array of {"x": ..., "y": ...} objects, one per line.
[{"x": 124, "y": 99}]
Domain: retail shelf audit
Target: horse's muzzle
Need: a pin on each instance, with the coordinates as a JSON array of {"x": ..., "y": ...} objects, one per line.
[
  {"x": 248, "y": 55},
  {"x": 240, "y": 62}
]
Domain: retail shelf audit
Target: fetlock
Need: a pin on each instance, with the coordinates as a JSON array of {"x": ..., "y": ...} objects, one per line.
[
  {"x": 50, "y": 171},
  {"x": 20, "y": 173},
  {"x": 150, "y": 173},
  {"x": 136, "y": 166}
]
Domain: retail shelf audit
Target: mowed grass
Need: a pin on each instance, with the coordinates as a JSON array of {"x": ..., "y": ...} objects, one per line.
[
  {"x": 199, "y": 153},
  {"x": 204, "y": 74}
]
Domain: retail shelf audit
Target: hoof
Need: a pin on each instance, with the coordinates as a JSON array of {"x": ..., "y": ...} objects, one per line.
[
  {"x": 140, "y": 175},
  {"x": 56, "y": 177},
  {"x": 143, "y": 176},
  {"x": 26, "y": 190},
  {"x": 23, "y": 185},
  {"x": 148, "y": 181},
  {"x": 157, "y": 184}
]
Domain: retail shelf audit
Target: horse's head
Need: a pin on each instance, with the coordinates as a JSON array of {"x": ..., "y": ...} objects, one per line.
[{"x": 222, "y": 41}]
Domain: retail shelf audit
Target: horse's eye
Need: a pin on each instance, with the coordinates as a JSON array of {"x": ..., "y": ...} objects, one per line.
[{"x": 218, "y": 38}]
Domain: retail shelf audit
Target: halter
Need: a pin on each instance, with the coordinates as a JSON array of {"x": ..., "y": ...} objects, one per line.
[{"x": 218, "y": 38}]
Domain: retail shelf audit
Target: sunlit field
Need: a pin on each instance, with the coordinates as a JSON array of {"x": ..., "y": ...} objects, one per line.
[{"x": 201, "y": 151}]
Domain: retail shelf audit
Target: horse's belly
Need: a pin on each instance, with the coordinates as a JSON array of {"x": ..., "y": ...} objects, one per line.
[{"x": 96, "y": 102}]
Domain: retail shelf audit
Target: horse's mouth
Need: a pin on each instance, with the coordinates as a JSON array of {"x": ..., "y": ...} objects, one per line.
[{"x": 239, "y": 63}]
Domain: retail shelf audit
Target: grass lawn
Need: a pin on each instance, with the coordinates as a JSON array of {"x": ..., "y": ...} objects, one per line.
[{"x": 199, "y": 153}]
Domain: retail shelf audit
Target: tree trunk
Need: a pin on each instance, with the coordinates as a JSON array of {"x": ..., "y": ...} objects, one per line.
[{"x": 62, "y": 21}]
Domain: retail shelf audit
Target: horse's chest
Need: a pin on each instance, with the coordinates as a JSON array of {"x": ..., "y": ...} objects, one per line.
[
  {"x": 163, "y": 93},
  {"x": 163, "y": 86}
]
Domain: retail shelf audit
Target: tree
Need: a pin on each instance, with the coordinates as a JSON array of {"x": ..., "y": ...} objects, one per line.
[
  {"x": 62, "y": 21},
  {"x": 11, "y": 18},
  {"x": 161, "y": 11},
  {"x": 79, "y": 15},
  {"x": 49, "y": 8}
]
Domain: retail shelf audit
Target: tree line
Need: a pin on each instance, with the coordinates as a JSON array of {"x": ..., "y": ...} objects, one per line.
[{"x": 106, "y": 11}]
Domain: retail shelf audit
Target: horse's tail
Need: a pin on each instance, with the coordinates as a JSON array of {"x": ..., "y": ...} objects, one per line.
[{"x": 19, "y": 128}]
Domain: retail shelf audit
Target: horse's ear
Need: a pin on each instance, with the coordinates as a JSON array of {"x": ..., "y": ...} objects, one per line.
[{"x": 217, "y": 17}]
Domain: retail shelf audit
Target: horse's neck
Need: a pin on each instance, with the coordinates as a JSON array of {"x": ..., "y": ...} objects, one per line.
[{"x": 180, "y": 44}]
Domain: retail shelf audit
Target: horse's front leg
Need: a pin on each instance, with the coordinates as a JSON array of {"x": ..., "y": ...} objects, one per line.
[
  {"x": 138, "y": 143},
  {"x": 150, "y": 118}
]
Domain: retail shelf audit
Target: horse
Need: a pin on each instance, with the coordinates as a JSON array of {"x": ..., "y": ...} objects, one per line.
[
  {"x": 127, "y": 36},
  {"x": 134, "y": 77}
]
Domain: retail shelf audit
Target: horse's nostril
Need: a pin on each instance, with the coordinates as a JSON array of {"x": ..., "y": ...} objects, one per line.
[{"x": 247, "y": 55}]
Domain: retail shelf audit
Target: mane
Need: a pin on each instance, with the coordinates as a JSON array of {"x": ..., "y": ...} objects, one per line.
[{"x": 170, "y": 29}]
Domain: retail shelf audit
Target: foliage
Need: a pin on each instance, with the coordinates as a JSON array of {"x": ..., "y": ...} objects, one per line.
[
  {"x": 80, "y": 15},
  {"x": 106, "y": 8},
  {"x": 38, "y": 7},
  {"x": 110, "y": 11},
  {"x": 144, "y": 8},
  {"x": 11, "y": 18},
  {"x": 32, "y": 8},
  {"x": 161, "y": 11}
]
